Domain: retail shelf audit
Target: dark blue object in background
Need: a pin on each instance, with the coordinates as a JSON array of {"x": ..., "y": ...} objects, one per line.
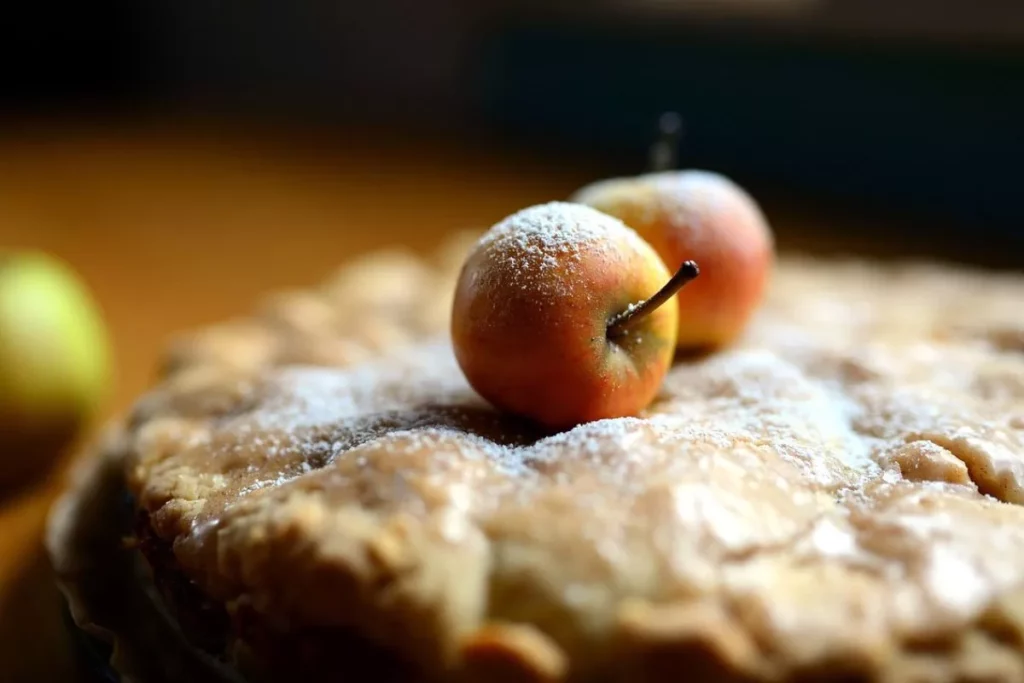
[{"x": 934, "y": 132}]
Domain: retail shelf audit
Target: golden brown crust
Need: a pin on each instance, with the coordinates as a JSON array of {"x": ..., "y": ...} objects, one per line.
[
  {"x": 512, "y": 653},
  {"x": 839, "y": 494},
  {"x": 378, "y": 302}
]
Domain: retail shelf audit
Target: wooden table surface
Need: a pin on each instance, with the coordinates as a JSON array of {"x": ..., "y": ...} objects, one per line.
[{"x": 175, "y": 228}]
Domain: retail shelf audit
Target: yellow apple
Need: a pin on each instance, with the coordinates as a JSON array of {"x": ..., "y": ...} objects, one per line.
[{"x": 54, "y": 360}]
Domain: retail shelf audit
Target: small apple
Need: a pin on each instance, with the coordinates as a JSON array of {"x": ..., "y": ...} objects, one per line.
[
  {"x": 558, "y": 316},
  {"x": 54, "y": 360},
  {"x": 706, "y": 217}
]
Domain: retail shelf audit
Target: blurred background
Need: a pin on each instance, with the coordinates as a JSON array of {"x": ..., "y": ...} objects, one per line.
[
  {"x": 905, "y": 109},
  {"x": 186, "y": 156}
]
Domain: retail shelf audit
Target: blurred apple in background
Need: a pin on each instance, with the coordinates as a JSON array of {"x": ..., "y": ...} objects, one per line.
[
  {"x": 700, "y": 215},
  {"x": 55, "y": 362}
]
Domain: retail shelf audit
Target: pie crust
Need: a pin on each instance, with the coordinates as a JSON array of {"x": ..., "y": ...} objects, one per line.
[{"x": 317, "y": 492}]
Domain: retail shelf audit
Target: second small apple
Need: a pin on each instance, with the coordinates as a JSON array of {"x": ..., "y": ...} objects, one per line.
[{"x": 706, "y": 217}]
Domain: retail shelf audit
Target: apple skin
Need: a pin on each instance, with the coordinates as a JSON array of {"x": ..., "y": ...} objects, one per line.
[
  {"x": 706, "y": 217},
  {"x": 531, "y": 309},
  {"x": 54, "y": 361}
]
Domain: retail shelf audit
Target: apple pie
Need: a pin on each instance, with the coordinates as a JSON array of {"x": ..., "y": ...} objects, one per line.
[{"x": 313, "y": 492}]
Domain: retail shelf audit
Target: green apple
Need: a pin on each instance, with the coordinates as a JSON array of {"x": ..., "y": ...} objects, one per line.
[{"x": 55, "y": 360}]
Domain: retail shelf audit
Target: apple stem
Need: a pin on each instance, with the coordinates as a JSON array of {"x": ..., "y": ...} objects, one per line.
[
  {"x": 664, "y": 151},
  {"x": 618, "y": 324}
]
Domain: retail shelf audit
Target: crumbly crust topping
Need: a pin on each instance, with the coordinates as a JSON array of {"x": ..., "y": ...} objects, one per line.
[{"x": 839, "y": 492}]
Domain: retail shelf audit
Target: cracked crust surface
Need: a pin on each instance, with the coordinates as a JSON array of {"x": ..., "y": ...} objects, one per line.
[{"x": 839, "y": 495}]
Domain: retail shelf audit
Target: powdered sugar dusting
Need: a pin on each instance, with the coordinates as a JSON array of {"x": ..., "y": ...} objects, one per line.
[
  {"x": 542, "y": 247},
  {"x": 691, "y": 201},
  {"x": 302, "y": 397},
  {"x": 698, "y": 199}
]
